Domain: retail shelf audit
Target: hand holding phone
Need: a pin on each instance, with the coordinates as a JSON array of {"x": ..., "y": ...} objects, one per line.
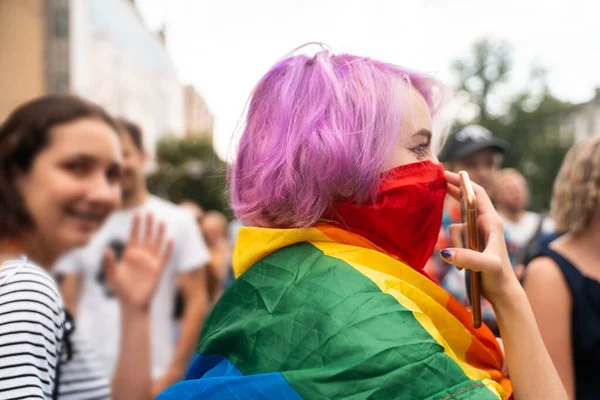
[{"x": 468, "y": 208}]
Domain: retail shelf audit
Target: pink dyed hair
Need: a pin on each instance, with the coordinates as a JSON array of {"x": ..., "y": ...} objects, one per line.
[{"x": 320, "y": 129}]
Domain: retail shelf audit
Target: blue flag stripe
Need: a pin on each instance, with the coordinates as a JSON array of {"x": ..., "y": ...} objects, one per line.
[{"x": 214, "y": 377}]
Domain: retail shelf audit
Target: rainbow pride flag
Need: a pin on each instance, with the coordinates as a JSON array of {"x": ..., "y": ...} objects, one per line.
[{"x": 322, "y": 313}]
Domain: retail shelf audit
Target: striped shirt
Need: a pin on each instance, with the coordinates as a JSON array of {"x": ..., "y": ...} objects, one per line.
[{"x": 31, "y": 338}]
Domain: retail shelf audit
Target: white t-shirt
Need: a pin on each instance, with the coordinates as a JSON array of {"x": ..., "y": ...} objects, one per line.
[
  {"x": 522, "y": 232},
  {"x": 98, "y": 316}
]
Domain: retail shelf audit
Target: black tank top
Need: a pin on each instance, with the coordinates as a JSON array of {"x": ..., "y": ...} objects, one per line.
[{"x": 585, "y": 323}]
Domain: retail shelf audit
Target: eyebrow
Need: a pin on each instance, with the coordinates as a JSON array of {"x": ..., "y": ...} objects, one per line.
[
  {"x": 423, "y": 132},
  {"x": 93, "y": 159},
  {"x": 84, "y": 157}
]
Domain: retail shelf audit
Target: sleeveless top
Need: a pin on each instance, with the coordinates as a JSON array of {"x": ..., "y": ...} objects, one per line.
[{"x": 585, "y": 325}]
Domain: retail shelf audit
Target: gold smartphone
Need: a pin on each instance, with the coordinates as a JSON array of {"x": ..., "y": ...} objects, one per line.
[{"x": 468, "y": 208}]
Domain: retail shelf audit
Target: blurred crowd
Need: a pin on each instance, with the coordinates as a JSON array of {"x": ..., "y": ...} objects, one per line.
[
  {"x": 84, "y": 212},
  {"x": 197, "y": 271},
  {"x": 554, "y": 253}
]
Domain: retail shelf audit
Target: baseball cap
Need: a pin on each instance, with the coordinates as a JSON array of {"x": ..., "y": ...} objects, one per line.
[{"x": 470, "y": 140}]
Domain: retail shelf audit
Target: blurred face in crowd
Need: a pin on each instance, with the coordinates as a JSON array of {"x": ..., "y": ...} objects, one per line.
[
  {"x": 134, "y": 160},
  {"x": 512, "y": 192},
  {"x": 481, "y": 167},
  {"x": 214, "y": 228},
  {"x": 73, "y": 183},
  {"x": 195, "y": 210}
]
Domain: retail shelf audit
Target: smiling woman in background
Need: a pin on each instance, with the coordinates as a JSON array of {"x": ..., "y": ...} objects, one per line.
[
  {"x": 60, "y": 162},
  {"x": 342, "y": 194}
]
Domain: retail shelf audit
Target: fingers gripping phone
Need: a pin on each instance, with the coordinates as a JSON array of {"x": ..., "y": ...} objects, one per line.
[{"x": 468, "y": 208}]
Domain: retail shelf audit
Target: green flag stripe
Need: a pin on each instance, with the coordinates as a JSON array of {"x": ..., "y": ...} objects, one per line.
[{"x": 331, "y": 332}]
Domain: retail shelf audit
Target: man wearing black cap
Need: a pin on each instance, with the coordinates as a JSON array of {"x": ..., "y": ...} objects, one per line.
[{"x": 473, "y": 149}]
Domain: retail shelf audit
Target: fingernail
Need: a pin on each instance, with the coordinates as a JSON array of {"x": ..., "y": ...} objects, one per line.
[{"x": 447, "y": 254}]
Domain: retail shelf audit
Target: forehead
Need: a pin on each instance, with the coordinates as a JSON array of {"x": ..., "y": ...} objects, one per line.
[
  {"x": 513, "y": 179},
  {"x": 214, "y": 221},
  {"x": 416, "y": 115},
  {"x": 127, "y": 142},
  {"x": 483, "y": 154},
  {"x": 192, "y": 209},
  {"x": 88, "y": 135}
]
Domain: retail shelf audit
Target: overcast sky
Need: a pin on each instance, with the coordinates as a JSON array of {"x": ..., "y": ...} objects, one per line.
[{"x": 223, "y": 47}]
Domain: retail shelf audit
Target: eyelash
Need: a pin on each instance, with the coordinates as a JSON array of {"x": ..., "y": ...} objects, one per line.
[
  {"x": 421, "y": 149},
  {"x": 77, "y": 167},
  {"x": 114, "y": 174}
]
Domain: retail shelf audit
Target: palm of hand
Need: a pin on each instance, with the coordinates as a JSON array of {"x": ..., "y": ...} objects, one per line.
[{"x": 137, "y": 275}]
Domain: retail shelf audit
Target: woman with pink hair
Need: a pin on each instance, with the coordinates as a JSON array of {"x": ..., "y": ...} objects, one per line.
[{"x": 341, "y": 194}]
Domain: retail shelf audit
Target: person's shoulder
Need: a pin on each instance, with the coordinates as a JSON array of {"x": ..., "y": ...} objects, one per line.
[
  {"x": 546, "y": 287},
  {"x": 163, "y": 208},
  {"x": 24, "y": 270},
  {"x": 177, "y": 220},
  {"x": 531, "y": 218},
  {"x": 532, "y": 214},
  {"x": 300, "y": 289},
  {"x": 544, "y": 271},
  {"x": 24, "y": 283},
  {"x": 301, "y": 277},
  {"x": 303, "y": 264},
  {"x": 548, "y": 225},
  {"x": 31, "y": 325}
]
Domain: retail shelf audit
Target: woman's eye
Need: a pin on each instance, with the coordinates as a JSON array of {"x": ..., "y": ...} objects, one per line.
[
  {"x": 113, "y": 174},
  {"x": 77, "y": 167},
  {"x": 421, "y": 150}
]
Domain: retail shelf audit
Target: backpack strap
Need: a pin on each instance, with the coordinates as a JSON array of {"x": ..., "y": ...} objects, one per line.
[
  {"x": 531, "y": 246},
  {"x": 66, "y": 350}
]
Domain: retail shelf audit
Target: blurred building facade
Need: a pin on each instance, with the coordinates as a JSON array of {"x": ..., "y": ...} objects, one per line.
[
  {"x": 98, "y": 49},
  {"x": 23, "y": 49},
  {"x": 198, "y": 119},
  {"x": 584, "y": 121}
]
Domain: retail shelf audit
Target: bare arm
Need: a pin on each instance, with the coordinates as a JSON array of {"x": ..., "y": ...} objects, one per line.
[
  {"x": 532, "y": 372},
  {"x": 218, "y": 268},
  {"x": 193, "y": 287},
  {"x": 135, "y": 280},
  {"x": 551, "y": 302},
  {"x": 132, "y": 377}
]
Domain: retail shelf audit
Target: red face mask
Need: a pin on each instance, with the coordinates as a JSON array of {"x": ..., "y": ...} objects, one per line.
[{"x": 406, "y": 218}]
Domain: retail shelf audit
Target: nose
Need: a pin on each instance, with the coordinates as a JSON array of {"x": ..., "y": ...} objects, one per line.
[
  {"x": 102, "y": 190},
  {"x": 485, "y": 171}
]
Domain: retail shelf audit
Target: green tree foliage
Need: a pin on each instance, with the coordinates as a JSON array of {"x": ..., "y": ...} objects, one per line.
[
  {"x": 483, "y": 73},
  {"x": 189, "y": 169},
  {"x": 528, "y": 120}
]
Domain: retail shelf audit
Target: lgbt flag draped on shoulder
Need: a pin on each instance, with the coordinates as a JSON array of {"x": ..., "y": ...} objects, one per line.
[{"x": 322, "y": 313}]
